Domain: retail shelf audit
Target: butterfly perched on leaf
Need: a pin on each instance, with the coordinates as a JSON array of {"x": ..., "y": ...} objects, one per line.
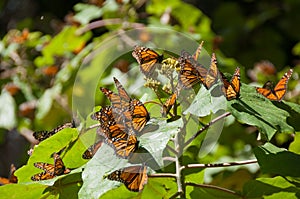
[
  {"x": 231, "y": 89},
  {"x": 90, "y": 152},
  {"x": 147, "y": 59},
  {"x": 133, "y": 177},
  {"x": 42, "y": 135},
  {"x": 132, "y": 112},
  {"x": 276, "y": 93},
  {"x": 50, "y": 170},
  {"x": 114, "y": 133}
]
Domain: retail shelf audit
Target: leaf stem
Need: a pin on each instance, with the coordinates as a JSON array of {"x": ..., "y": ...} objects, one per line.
[{"x": 206, "y": 127}]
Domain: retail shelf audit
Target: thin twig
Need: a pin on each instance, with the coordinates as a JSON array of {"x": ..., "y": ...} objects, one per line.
[
  {"x": 213, "y": 187},
  {"x": 171, "y": 149},
  {"x": 169, "y": 159},
  {"x": 225, "y": 164},
  {"x": 175, "y": 195},
  {"x": 206, "y": 127},
  {"x": 162, "y": 175}
]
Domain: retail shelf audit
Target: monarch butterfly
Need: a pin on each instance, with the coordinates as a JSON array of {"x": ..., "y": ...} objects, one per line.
[
  {"x": 276, "y": 93},
  {"x": 131, "y": 111},
  {"x": 231, "y": 89},
  {"x": 168, "y": 104},
  {"x": 42, "y": 135},
  {"x": 50, "y": 170},
  {"x": 191, "y": 72},
  {"x": 133, "y": 177},
  {"x": 212, "y": 75},
  {"x": 147, "y": 59},
  {"x": 12, "y": 178},
  {"x": 115, "y": 135},
  {"x": 90, "y": 152}
]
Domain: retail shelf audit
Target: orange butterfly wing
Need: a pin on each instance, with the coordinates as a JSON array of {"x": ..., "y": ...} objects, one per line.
[
  {"x": 90, "y": 152},
  {"x": 231, "y": 89},
  {"x": 277, "y": 93},
  {"x": 139, "y": 115},
  {"x": 191, "y": 72},
  {"x": 212, "y": 75},
  {"x": 147, "y": 59},
  {"x": 133, "y": 177}
]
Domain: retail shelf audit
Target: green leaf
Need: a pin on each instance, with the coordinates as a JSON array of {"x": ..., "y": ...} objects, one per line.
[
  {"x": 103, "y": 163},
  {"x": 7, "y": 110},
  {"x": 63, "y": 43},
  {"x": 276, "y": 188},
  {"x": 210, "y": 192},
  {"x": 87, "y": 12},
  {"x": 156, "y": 141},
  {"x": 45, "y": 102},
  {"x": 43, "y": 153},
  {"x": 276, "y": 160},
  {"x": 22, "y": 191},
  {"x": 204, "y": 103},
  {"x": 254, "y": 109}
]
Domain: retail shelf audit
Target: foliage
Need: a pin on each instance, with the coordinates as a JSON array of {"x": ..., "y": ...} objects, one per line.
[{"x": 40, "y": 70}]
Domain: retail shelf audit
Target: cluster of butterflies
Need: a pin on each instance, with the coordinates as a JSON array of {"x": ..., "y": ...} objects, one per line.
[
  {"x": 123, "y": 121},
  {"x": 192, "y": 72},
  {"x": 120, "y": 124}
]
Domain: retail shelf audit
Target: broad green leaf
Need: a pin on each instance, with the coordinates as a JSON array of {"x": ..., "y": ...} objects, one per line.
[
  {"x": 7, "y": 110},
  {"x": 276, "y": 160},
  {"x": 254, "y": 109},
  {"x": 194, "y": 175},
  {"x": 43, "y": 153},
  {"x": 271, "y": 188},
  {"x": 103, "y": 163},
  {"x": 156, "y": 141},
  {"x": 22, "y": 191},
  {"x": 45, "y": 102},
  {"x": 204, "y": 103}
]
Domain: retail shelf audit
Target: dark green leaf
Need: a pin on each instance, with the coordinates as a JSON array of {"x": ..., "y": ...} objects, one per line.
[
  {"x": 254, "y": 109},
  {"x": 276, "y": 160},
  {"x": 276, "y": 188}
]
